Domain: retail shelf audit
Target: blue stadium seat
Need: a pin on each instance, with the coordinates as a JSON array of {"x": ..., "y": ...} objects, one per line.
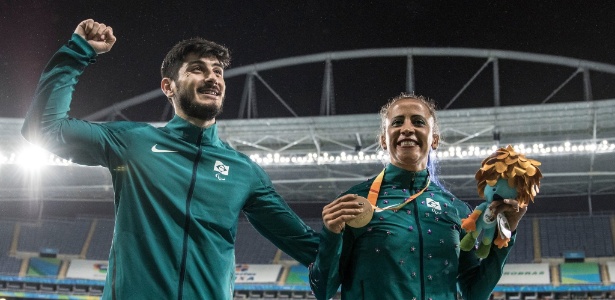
[
  {"x": 591, "y": 235},
  {"x": 68, "y": 236},
  {"x": 100, "y": 244}
]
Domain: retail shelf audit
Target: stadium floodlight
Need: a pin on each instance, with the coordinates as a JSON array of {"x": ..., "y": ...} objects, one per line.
[
  {"x": 35, "y": 157},
  {"x": 541, "y": 149},
  {"x": 32, "y": 157},
  {"x": 453, "y": 152}
]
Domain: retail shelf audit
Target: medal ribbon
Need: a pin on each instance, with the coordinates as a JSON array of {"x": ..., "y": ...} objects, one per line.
[{"x": 374, "y": 190}]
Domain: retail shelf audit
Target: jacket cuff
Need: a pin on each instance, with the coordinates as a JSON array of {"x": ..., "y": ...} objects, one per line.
[{"x": 82, "y": 48}]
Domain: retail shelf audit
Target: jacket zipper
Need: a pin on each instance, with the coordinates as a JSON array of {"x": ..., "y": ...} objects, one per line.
[
  {"x": 182, "y": 270},
  {"x": 418, "y": 225}
]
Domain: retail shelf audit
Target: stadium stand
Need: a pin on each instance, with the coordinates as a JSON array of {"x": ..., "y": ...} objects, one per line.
[
  {"x": 8, "y": 265},
  {"x": 541, "y": 238},
  {"x": 591, "y": 235},
  {"x": 523, "y": 251},
  {"x": 100, "y": 243},
  {"x": 251, "y": 247},
  {"x": 67, "y": 236}
]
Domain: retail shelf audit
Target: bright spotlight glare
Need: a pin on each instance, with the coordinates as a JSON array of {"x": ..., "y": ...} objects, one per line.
[{"x": 33, "y": 157}]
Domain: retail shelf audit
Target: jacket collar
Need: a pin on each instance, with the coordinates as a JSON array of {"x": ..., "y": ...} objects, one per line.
[
  {"x": 404, "y": 178},
  {"x": 190, "y": 133}
]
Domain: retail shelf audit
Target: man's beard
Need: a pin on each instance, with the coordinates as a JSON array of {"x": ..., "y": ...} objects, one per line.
[{"x": 197, "y": 110}]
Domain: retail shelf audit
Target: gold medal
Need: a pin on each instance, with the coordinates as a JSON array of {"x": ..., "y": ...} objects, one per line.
[
  {"x": 369, "y": 204},
  {"x": 363, "y": 218}
]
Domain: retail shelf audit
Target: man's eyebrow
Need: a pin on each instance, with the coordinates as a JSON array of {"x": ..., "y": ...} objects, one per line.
[{"x": 200, "y": 62}]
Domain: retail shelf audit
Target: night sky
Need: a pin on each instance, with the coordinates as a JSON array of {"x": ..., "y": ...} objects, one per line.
[{"x": 259, "y": 31}]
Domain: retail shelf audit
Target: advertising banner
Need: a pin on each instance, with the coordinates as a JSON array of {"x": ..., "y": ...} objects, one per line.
[
  {"x": 248, "y": 273},
  {"x": 87, "y": 269},
  {"x": 298, "y": 275},
  {"x": 525, "y": 274},
  {"x": 611, "y": 269},
  {"x": 43, "y": 267},
  {"x": 580, "y": 273}
]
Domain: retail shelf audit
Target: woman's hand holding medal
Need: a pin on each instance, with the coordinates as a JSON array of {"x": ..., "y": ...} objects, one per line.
[{"x": 350, "y": 209}]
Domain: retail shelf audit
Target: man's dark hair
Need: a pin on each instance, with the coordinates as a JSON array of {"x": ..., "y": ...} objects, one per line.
[{"x": 199, "y": 46}]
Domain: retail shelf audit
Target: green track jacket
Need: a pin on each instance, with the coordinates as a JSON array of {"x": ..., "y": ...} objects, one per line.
[
  {"x": 406, "y": 255},
  {"x": 179, "y": 191}
]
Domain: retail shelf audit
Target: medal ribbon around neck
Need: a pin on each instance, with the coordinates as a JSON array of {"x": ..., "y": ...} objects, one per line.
[{"x": 374, "y": 190}]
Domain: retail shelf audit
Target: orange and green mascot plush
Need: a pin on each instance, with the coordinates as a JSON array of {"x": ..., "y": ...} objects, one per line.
[{"x": 505, "y": 174}]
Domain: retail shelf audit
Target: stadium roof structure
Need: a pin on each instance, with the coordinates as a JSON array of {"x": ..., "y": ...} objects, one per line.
[{"x": 311, "y": 159}]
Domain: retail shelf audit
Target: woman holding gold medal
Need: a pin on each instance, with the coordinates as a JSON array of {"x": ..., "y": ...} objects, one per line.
[{"x": 397, "y": 235}]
